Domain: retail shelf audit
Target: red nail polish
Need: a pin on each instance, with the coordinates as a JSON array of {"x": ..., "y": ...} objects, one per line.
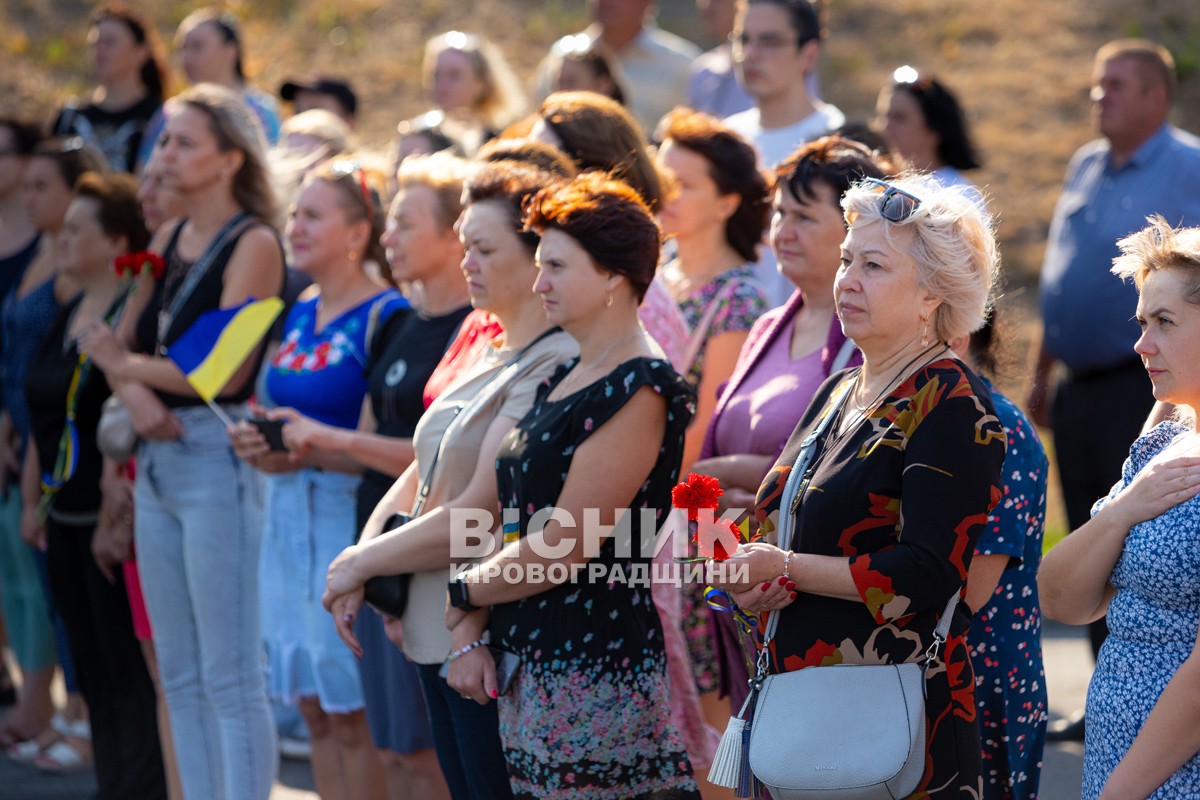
[
  {"x": 782, "y": 581},
  {"x": 791, "y": 586},
  {"x": 765, "y": 586},
  {"x": 792, "y": 596},
  {"x": 493, "y": 694}
]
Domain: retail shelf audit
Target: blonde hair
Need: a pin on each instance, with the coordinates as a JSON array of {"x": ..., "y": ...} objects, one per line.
[
  {"x": 502, "y": 101},
  {"x": 236, "y": 128},
  {"x": 952, "y": 242},
  {"x": 318, "y": 123},
  {"x": 442, "y": 172},
  {"x": 1160, "y": 246}
]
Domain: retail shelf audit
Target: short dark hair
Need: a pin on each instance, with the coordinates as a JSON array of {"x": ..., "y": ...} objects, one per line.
[
  {"x": 838, "y": 163},
  {"x": 120, "y": 211},
  {"x": 26, "y": 135},
  {"x": 608, "y": 219},
  {"x": 944, "y": 116},
  {"x": 509, "y": 184},
  {"x": 733, "y": 167},
  {"x": 805, "y": 16}
]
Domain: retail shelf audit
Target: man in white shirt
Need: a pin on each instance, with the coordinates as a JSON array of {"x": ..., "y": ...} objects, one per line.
[
  {"x": 776, "y": 45},
  {"x": 655, "y": 62}
]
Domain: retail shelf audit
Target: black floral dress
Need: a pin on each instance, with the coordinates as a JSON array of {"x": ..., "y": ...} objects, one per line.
[
  {"x": 588, "y": 716},
  {"x": 904, "y": 494}
]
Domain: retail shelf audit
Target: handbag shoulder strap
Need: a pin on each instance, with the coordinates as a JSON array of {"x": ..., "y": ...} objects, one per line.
[
  {"x": 511, "y": 368},
  {"x": 795, "y": 484},
  {"x": 843, "y": 356}
]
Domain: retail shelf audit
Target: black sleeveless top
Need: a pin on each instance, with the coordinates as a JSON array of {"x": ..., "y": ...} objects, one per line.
[{"x": 206, "y": 297}]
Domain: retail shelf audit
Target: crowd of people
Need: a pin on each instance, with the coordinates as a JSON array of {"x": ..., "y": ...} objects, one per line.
[{"x": 524, "y": 312}]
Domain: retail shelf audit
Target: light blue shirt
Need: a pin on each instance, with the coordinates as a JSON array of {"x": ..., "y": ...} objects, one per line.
[{"x": 1086, "y": 310}]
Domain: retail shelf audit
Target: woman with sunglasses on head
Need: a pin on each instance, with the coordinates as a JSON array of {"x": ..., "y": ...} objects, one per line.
[
  {"x": 789, "y": 352},
  {"x": 882, "y": 523},
  {"x": 454, "y": 470},
  {"x": 605, "y": 432},
  {"x": 320, "y": 370},
  {"x": 26, "y": 314},
  {"x": 925, "y": 125},
  {"x": 1137, "y": 559},
  {"x": 198, "y": 541},
  {"x": 128, "y": 65}
]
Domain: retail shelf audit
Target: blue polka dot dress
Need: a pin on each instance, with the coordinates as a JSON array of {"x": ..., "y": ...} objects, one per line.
[
  {"x": 1152, "y": 623},
  {"x": 1006, "y": 634}
]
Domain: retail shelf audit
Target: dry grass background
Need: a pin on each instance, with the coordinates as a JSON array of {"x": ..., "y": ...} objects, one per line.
[{"x": 1021, "y": 68}]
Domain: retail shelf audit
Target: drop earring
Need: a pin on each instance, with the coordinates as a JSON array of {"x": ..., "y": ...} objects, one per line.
[{"x": 925, "y": 332}]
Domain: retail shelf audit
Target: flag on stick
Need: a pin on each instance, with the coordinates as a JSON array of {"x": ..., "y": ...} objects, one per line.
[{"x": 219, "y": 342}]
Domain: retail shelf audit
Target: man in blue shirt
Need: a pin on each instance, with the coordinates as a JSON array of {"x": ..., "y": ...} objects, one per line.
[{"x": 1141, "y": 166}]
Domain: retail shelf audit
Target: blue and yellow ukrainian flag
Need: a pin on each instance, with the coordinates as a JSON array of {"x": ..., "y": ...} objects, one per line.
[{"x": 218, "y": 343}]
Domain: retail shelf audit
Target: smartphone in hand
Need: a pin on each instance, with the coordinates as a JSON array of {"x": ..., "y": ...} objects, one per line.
[{"x": 272, "y": 430}]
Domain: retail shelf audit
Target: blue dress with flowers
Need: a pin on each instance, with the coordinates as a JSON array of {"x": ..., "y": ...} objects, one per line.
[
  {"x": 1152, "y": 624},
  {"x": 588, "y": 717}
]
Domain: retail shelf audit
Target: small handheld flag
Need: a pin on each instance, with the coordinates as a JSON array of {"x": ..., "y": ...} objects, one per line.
[{"x": 219, "y": 342}]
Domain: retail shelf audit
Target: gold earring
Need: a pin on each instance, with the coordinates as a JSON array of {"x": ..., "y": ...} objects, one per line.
[
  {"x": 608, "y": 300},
  {"x": 925, "y": 332}
]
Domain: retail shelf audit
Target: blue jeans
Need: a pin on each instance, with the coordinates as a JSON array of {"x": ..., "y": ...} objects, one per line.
[
  {"x": 199, "y": 526},
  {"x": 466, "y": 737}
]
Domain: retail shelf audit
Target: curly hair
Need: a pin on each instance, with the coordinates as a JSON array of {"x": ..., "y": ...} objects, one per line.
[
  {"x": 951, "y": 240},
  {"x": 608, "y": 219},
  {"x": 733, "y": 167}
]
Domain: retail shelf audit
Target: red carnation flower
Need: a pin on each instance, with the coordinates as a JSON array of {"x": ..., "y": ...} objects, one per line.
[{"x": 700, "y": 491}]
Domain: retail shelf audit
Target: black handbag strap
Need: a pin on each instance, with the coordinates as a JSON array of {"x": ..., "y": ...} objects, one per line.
[{"x": 232, "y": 228}]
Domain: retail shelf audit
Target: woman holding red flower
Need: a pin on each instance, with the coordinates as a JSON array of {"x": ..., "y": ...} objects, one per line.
[
  {"x": 885, "y": 520},
  {"x": 63, "y": 508},
  {"x": 588, "y": 715}
]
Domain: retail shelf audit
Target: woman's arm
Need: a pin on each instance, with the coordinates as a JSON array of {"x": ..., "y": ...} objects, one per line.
[
  {"x": 424, "y": 543},
  {"x": 983, "y": 578},
  {"x": 255, "y": 270},
  {"x": 720, "y": 356},
  {"x": 33, "y": 527},
  {"x": 363, "y": 447},
  {"x": 1166, "y": 742},
  {"x": 1073, "y": 581},
  {"x": 606, "y": 473},
  {"x": 743, "y": 471}
]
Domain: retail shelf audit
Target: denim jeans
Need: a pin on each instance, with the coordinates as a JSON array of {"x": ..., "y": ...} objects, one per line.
[
  {"x": 466, "y": 737},
  {"x": 199, "y": 526}
]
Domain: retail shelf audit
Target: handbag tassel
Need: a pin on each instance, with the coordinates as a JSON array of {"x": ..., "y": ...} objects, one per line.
[
  {"x": 727, "y": 762},
  {"x": 731, "y": 763}
]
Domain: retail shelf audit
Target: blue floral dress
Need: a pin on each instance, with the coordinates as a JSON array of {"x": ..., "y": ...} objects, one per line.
[
  {"x": 588, "y": 717},
  {"x": 1152, "y": 624},
  {"x": 1006, "y": 635}
]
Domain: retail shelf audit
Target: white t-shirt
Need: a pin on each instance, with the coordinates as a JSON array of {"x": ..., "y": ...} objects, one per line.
[{"x": 776, "y": 144}]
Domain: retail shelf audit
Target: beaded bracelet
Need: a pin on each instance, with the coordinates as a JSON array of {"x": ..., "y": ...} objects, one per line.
[
  {"x": 462, "y": 651},
  {"x": 787, "y": 560}
]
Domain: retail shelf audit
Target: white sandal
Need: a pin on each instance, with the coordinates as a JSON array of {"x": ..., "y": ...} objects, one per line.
[{"x": 62, "y": 759}]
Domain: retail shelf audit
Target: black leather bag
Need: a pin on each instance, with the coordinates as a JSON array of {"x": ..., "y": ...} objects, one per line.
[{"x": 388, "y": 594}]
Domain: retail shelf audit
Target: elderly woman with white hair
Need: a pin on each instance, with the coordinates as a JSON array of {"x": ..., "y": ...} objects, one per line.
[{"x": 875, "y": 521}]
